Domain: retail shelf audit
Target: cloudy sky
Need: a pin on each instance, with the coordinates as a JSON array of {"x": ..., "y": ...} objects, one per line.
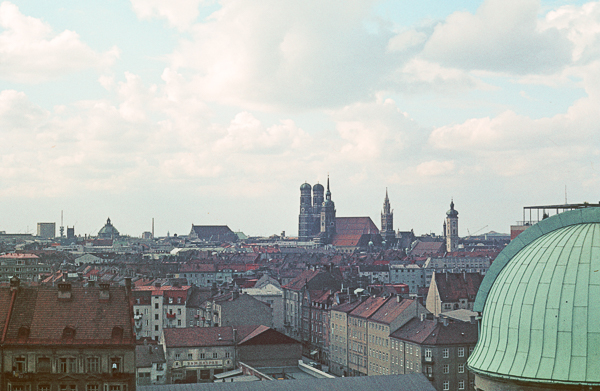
[{"x": 215, "y": 112}]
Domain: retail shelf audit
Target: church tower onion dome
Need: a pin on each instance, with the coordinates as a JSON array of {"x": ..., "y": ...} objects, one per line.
[
  {"x": 305, "y": 186},
  {"x": 452, "y": 212},
  {"x": 540, "y": 306},
  {"x": 318, "y": 188}
]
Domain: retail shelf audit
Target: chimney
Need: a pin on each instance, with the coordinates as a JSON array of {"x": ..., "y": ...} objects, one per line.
[
  {"x": 423, "y": 317},
  {"x": 64, "y": 291},
  {"x": 398, "y": 299},
  {"x": 235, "y": 336},
  {"x": 472, "y": 319},
  {"x": 104, "y": 291},
  {"x": 444, "y": 320}
]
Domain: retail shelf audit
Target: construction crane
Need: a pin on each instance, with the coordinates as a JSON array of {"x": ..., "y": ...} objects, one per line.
[{"x": 480, "y": 229}]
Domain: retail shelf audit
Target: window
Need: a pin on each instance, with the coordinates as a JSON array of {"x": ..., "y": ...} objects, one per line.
[
  {"x": 215, "y": 355},
  {"x": 92, "y": 387},
  {"x": 227, "y": 355},
  {"x": 461, "y": 385},
  {"x": 177, "y": 356},
  {"x": 427, "y": 353},
  {"x": 446, "y": 385},
  {"x": 92, "y": 365},
  {"x": 67, "y": 387},
  {"x": 461, "y": 352},
  {"x": 115, "y": 364},
  {"x": 44, "y": 365},
  {"x": 156, "y": 327},
  {"x": 446, "y": 368},
  {"x": 155, "y": 316},
  {"x": 190, "y": 356},
  {"x": 461, "y": 368},
  {"x": 116, "y": 387},
  {"x": 19, "y": 364},
  {"x": 202, "y": 356},
  {"x": 44, "y": 387},
  {"x": 155, "y": 305},
  {"x": 446, "y": 353}
]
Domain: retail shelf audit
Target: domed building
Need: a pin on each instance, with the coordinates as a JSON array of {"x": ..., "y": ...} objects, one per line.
[
  {"x": 108, "y": 231},
  {"x": 540, "y": 309}
]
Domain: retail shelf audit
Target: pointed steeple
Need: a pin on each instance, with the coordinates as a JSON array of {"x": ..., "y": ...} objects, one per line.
[{"x": 328, "y": 193}]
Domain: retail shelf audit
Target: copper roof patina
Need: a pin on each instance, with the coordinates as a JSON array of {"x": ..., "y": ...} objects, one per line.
[{"x": 541, "y": 307}]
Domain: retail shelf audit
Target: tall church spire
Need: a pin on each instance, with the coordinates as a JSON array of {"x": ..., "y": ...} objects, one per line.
[{"x": 387, "y": 221}]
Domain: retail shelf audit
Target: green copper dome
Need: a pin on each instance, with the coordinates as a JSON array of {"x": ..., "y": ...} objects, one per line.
[{"x": 540, "y": 304}]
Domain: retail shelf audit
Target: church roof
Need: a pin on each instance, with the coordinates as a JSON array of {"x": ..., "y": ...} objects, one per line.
[
  {"x": 540, "y": 304},
  {"x": 355, "y": 226}
]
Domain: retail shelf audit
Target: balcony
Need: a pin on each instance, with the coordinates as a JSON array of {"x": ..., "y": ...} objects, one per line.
[
  {"x": 428, "y": 360},
  {"x": 170, "y": 316}
]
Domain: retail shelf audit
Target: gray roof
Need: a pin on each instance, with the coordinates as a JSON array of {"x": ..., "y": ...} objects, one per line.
[
  {"x": 146, "y": 355},
  {"x": 410, "y": 382}
]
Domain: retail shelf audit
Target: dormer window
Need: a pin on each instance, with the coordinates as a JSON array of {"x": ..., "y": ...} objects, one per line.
[
  {"x": 23, "y": 332},
  {"x": 68, "y": 333},
  {"x": 117, "y": 332}
]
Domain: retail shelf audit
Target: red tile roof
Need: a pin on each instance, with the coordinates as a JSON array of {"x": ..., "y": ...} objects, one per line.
[
  {"x": 388, "y": 312},
  {"x": 355, "y": 226},
  {"x": 46, "y": 316},
  {"x": 455, "y": 286},
  {"x": 368, "y": 307},
  {"x": 423, "y": 248},
  {"x": 298, "y": 283}
]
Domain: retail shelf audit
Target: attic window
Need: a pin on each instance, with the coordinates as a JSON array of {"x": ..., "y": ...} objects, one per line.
[
  {"x": 117, "y": 332},
  {"x": 23, "y": 332},
  {"x": 68, "y": 333}
]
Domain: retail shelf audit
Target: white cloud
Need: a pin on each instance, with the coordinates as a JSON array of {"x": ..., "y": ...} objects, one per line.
[
  {"x": 435, "y": 168},
  {"x": 274, "y": 54},
  {"x": 180, "y": 13},
  {"x": 581, "y": 25},
  {"x": 502, "y": 36},
  {"x": 406, "y": 40},
  {"x": 31, "y": 52}
]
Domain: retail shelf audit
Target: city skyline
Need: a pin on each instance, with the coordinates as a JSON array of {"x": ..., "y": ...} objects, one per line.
[{"x": 215, "y": 112}]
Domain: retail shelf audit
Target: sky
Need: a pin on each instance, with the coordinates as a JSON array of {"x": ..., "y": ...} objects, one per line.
[{"x": 215, "y": 112}]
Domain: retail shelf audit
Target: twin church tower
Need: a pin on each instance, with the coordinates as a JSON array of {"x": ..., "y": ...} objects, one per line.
[{"x": 317, "y": 216}]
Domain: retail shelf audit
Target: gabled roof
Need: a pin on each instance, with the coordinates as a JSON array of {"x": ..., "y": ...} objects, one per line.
[
  {"x": 433, "y": 332},
  {"x": 263, "y": 335},
  {"x": 146, "y": 355},
  {"x": 298, "y": 283},
  {"x": 423, "y": 248},
  {"x": 346, "y": 307},
  {"x": 213, "y": 233},
  {"x": 388, "y": 312},
  {"x": 368, "y": 307},
  {"x": 198, "y": 336},
  {"x": 455, "y": 286},
  {"x": 40, "y": 312},
  {"x": 355, "y": 226}
]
